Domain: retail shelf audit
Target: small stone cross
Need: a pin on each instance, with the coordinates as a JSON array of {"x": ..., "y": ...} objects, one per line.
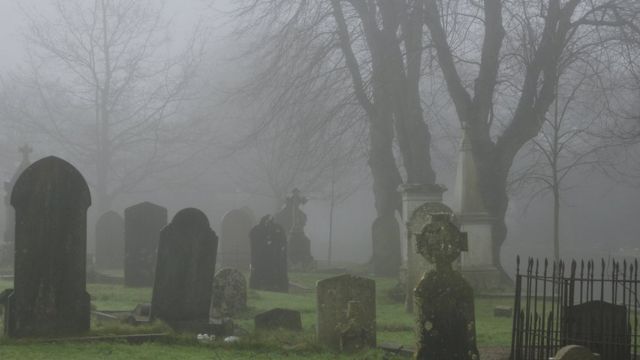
[
  {"x": 25, "y": 150},
  {"x": 441, "y": 242}
]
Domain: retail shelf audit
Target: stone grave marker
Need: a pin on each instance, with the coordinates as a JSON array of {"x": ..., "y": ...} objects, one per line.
[
  {"x": 346, "y": 310},
  {"x": 601, "y": 326},
  {"x": 50, "y": 199},
  {"x": 443, "y": 298},
  {"x": 142, "y": 225},
  {"x": 279, "y": 319},
  {"x": 385, "y": 233},
  {"x": 228, "y": 294},
  {"x": 293, "y": 221},
  {"x": 184, "y": 271},
  {"x": 235, "y": 251},
  {"x": 268, "y": 257},
  {"x": 110, "y": 241}
]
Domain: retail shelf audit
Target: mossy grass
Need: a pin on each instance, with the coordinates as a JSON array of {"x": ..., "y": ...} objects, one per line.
[{"x": 393, "y": 323}]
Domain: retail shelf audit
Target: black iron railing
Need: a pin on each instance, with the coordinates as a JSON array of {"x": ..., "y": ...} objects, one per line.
[{"x": 556, "y": 305}]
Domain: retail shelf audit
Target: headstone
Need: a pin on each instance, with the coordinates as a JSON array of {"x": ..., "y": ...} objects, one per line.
[
  {"x": 268, "y": 257},
  {"x": 575, "y": 352},
  {"x": 50, "y": 199},
  {"x": 235, "y": 251},
  {"x": 502, "y": 311},
  {"x": 293, "y": 220},
  {"x": 185, "y": 268},
  {"x": 417, "y": 199},
  {"x": 601, "y": 326},
  {"x": 8, "y": 245},
  {"x": 279, "y": 319},
  {"x": 228, "y": 294},
  {"x": 142, "y": 225},
  {"x": 443, "y": 298},
  {"x": 385, "y": 233},
  {"x": 346, "y": 305},
  {"x": 110, "y": 241}
]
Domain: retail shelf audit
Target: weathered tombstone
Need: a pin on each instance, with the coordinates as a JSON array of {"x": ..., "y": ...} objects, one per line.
[
  {"x": 293, "y": 220},
  {"x": 50, "y": 199},
  {"x": 346, "y": 306},
  {"x": 385, "y": 233},
  {"x": 184, "y": 271},
  {"x": 443, "y": 298},
  {"x": 228, "y": 294},
  {"x": 110, "y": 241},
  {"x": 601, "y": 326},
  {"x": 268, "y": 257},
  {"x": 235, "y": 251},
  {"x": 142, "y": 225},
  {"x": 575, "y": 352},
  {"x": 278, "y": 319},
  {"x": 8, "y": 246}
]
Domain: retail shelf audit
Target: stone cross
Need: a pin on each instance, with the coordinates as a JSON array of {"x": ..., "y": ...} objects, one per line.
[
  {"x": 441, "y": 243},
  {"x": 295, "y": 200},
  {"x": 25, "y": 150},
  {"x": 443, "y": 298}
]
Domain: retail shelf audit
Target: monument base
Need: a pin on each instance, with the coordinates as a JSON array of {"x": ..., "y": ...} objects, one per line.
[{"x": 486, "y": 278}]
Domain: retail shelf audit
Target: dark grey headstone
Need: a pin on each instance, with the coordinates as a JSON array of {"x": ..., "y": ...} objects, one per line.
[
  {"x": 142, "y": 225},
  {"x": 346, "y": 305},
  {"x": 50, "y": 199},
  {"x": 228, "y": 294},
  {"x": 110, "y": 241},
  {"x": 601, "y": 326},
  {"x": 235, "y": 251},
  {"x": 185, "y": 267},
  {"x": 279, "y": 319},
  {"x": 268, "y": 257}
]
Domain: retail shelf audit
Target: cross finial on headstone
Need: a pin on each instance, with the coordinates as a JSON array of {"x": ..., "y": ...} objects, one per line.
[
  {"x": 25, "y": 150},
  {"x": 441, "y": 242},
  {"x": 296, "y": 198}
]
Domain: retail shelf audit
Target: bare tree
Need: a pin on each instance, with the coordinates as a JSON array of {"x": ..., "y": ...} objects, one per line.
[
  {"x": 377, "y": 50},
  {"x": 519, "y": 55},
  {"x": 102, "y": 84},
  {"x": 570, "y": 140}
]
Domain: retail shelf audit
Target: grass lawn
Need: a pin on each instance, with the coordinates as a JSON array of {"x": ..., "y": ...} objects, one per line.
[{"x": 394, "y": 325}]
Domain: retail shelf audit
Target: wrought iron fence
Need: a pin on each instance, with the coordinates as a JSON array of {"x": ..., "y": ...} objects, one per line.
[{"x": 557, "y": 305}]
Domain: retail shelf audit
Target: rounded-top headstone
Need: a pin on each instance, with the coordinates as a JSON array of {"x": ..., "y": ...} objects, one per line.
[
  {"x": 235, "y": 250},
  {"x": 50, "y": 199},
  {"x": 51, "y": 178},
  {"x": 574, "y": 352},
  {"x": 184, "y": 270}
]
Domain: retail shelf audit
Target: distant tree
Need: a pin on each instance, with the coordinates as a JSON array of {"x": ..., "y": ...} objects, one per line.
[
  {"x": 501, "y": 61},
  {"x": 101, "y": 81},
  {"x": 571, "y": 139}
]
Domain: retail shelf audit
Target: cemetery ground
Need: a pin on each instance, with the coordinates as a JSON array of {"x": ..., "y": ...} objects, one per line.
[{"x": 394, "y": 325}]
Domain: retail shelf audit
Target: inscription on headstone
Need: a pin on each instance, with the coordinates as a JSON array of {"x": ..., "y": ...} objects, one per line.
[
  {"x": 142, "y": 225},
  {"x": 346, "y": 310},
  {"x": 50, "y": 199},
  {"x": 184, "y": 271}
]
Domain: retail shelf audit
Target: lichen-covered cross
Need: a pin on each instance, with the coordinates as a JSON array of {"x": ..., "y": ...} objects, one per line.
[{"x": 441, "y": 242}]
